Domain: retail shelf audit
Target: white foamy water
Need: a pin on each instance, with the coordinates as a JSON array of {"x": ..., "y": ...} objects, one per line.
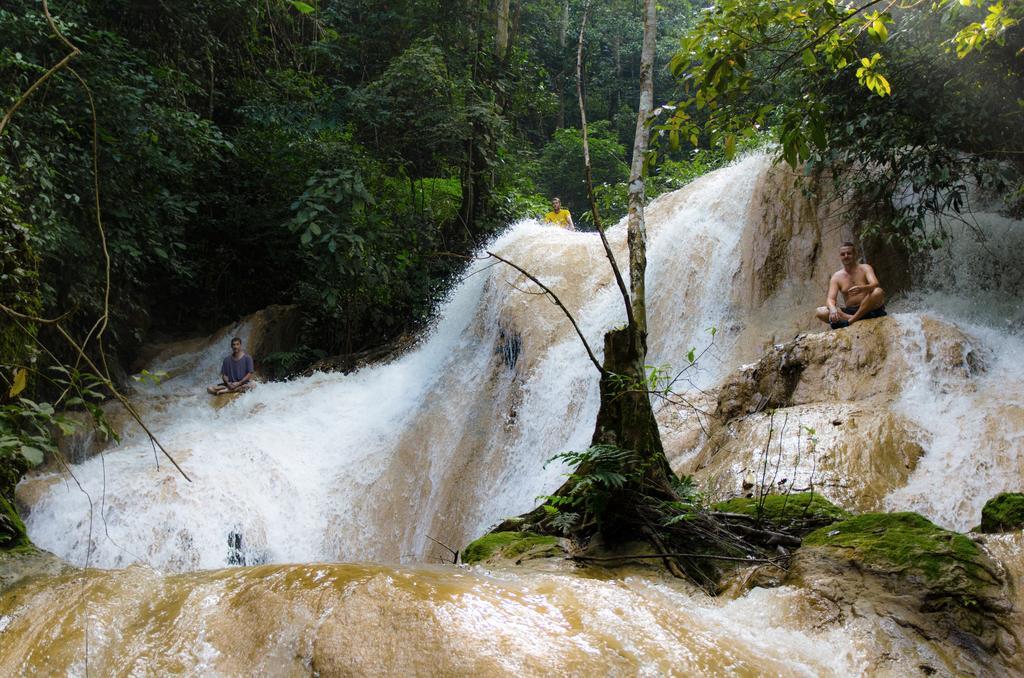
[
  {"x": 442, "y": 442},
  {"x": 973, "y": 423},
  {"x": 453, "y": 436}
]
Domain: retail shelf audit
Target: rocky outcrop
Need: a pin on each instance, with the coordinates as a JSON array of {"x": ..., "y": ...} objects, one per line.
[
  {"x": 274, "y": 329},
  {"x": 25, "y": 563},
  {"x": 797, "y": 226},
  {"x": 820, "y": 412},
  {"x": 864, "y": 361},
  {"x": 933, "y": 583},
  {"x": 853, "y": 365},
  {"x": 1003, "y": 513}
]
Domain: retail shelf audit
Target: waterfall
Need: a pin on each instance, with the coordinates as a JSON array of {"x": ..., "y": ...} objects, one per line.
[
  {"x": 443, "y": 442},
  {"x": 452, "y": 436},
  {"x": 973, "y": 422}
]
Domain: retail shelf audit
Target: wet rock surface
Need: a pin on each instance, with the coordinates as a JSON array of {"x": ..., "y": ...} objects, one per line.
[
  {"x": 934, "y": 583},
  {"x": 821, "y": 412},
  {"x": 23, "y": 564}
]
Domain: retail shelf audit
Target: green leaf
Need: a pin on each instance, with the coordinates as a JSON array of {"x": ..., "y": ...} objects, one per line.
[
  {"x": 33, "y": 455},
  {"x": 880, "y": 30},
  {"x": 808, "y": 57},
  {"x": 303, "y": 7}
]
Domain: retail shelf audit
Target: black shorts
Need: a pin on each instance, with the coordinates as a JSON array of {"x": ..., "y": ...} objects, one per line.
[{"x": 850, "y": 310}]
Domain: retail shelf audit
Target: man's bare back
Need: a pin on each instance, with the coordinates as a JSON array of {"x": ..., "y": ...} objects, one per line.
[{"x": 863, "y": 296}]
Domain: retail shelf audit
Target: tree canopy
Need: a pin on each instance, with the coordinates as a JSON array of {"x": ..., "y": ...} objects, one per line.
[{"x": 908, "y": 104}]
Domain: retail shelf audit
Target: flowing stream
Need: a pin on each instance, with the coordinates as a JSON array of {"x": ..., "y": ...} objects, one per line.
[{"x": 442, "y": 443}]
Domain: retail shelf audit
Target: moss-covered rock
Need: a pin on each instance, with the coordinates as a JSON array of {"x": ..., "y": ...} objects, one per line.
[
  {"x": 800, "y": 512},
  {"x": 906, "y": 543},
  {"x": 1003, "y": 513},
  {"x": 510, "y": 545},
  {"x": 902, "y": 566}
]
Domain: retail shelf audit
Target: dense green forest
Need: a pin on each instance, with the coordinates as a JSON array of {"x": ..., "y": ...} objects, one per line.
[
  {"x": 264, "y": 153},
  {"x": 343, "y": 155}
]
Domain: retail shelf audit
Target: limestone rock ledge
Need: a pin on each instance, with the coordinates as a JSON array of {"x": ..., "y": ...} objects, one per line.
[
  {"x": 821, "y": 411},
  {"x": 930, "y": 583}
]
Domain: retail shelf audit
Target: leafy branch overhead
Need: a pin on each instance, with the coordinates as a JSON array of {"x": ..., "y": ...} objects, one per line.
[
  {"x": 738, "y": 45},
  {"x": 874, "y": 83}
]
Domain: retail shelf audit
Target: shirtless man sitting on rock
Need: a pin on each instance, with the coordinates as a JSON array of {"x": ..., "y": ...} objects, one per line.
[{"x": 863, "y": 295}]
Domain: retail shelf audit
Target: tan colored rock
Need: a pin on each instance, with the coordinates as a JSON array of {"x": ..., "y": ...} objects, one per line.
[
  {"x": 965, "y": 623},
  {"x": 819, "y": 412},
  {"x": 273, "y": 329},
  {"x": 798, "y": 224},
  {"x": 857, "y": 363},
  {"x": 86, "y": 441},
  {"x": 853, "y": 456}
]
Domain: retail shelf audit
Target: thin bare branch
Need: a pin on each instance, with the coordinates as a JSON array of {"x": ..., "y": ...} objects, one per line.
[
  {"x": 559, "y": 304},
  {"x": 647, "y": 556}
]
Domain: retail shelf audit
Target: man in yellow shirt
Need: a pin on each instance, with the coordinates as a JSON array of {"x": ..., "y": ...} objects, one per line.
[{"x": 559, "y": 217}]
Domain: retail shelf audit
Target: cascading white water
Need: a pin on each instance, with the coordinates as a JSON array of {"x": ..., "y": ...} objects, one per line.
[
  {"x": 974, "y": 423},
  {"x": 442, "y": 442},
  {"x": 453, "y": 436}
]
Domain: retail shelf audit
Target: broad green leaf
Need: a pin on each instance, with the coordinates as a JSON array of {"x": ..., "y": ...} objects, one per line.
[
  {"x": 33, "y": 455},
  {"x": 880, "y": 30},
  {"x": 303, "y": 7},
  {"x": 808, "y": 57}
]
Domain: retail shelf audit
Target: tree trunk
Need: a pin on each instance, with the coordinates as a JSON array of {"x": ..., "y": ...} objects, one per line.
[
  {"x": 637, "y": 505},
  {"x": 636, "y": 229},
  {"x": 560, "y": 78},
  {"x": 501, "y": 28},
  {"x": 625, "y": 418}
]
